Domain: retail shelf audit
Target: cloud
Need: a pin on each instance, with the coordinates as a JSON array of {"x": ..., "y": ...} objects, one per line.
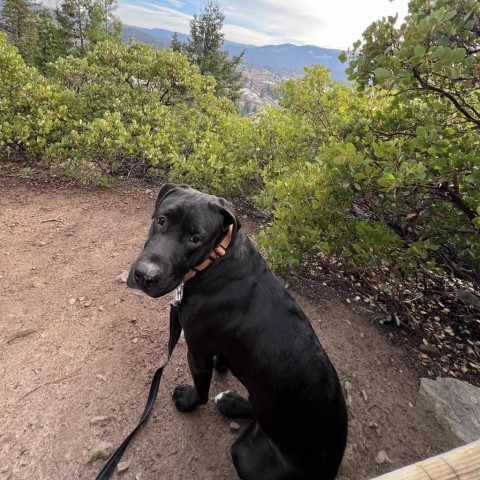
[
  {"x": 239, "y": 34},
  {"x": 175, "y": 3},
  {"x": 331, "y": 23},
  {"x": 327, "y": 23},
  {"x": 148, "y": 15}
]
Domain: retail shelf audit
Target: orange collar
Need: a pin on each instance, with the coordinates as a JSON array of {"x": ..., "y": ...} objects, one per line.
[{"x": 219, "y": 251}]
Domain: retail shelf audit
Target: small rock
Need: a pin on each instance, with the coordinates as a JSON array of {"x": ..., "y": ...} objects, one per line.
[
  {"x": 365, "y": 396},
  {"x": 234, "y": 426},
  {"x": 452, "y": 403},
  {"x": 99, "y": 419},
  {"x": 81, "y": 299},
  {"x": 122, "y": 278},
  {"x": 87, "y": 303},
  {"x": 134, "y": 340},
  {"x": 37, "y": 282},
  {"x": 72, "y": 300},
  {"x": 362, "y": 335},
  {"x": 101, "y": 377},
  {"x": 102, "y": 450},
  {"x": 148, "y": 190},
  {"x": 123, "y": 466},
  {"x": 382, "y": 457},
  {"x": 101, "y": 308},
  {"x": 469, "y": 298},
  {"x": 377, "y": 429},
  {"x": 427, "y": 348},
  {"x": 348, "y": 389}
]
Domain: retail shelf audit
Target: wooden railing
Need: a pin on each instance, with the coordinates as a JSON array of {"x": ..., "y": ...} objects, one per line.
[{"x": 463, "y": 463}]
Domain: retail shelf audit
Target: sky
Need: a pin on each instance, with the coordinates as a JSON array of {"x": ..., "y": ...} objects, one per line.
[{"x": 325, "y": 23}]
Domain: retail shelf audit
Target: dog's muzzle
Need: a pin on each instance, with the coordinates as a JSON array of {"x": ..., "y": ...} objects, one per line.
[{"x": 144, "y": 275}]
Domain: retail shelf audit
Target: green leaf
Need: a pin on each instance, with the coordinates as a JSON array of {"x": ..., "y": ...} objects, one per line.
[
  {"x": 386, "y": 180},
  {"x": 419, "y": 51},
  {"x": 342, "y": 57},
  {"x": 458, "y": 54},
  {"x": 382, "y": 74},
  {"x": 439, "y": 14}
]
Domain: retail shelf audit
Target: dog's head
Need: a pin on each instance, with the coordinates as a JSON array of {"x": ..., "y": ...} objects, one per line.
[{"x": 186, "y": 227}]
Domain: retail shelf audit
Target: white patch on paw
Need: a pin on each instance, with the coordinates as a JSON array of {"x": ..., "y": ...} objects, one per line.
[{"x": 220, "y": 395}]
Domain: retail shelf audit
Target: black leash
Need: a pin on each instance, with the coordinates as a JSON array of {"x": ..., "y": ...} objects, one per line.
[{"x": 175, "y": 331}]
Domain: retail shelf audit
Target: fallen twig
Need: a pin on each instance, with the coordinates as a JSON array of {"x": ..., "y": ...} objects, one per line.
[
  {"x": 55, "y": 219},
  {"x": 53, "y": 382}
]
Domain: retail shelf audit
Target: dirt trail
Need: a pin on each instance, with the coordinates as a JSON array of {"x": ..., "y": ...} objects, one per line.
[{"x": 78, "y": 349}]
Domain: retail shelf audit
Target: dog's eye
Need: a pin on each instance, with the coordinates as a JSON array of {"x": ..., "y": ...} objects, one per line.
[
  {"x": 195, "y": 239},
  {"x": 161, "y": 220}
]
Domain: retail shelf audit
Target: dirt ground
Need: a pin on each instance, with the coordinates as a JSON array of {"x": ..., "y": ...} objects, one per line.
[{"x": 78, "y": 350}]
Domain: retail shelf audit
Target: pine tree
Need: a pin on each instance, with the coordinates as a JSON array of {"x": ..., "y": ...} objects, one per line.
[
  {"x": 175, "y": 44},
  {"x": 64, "y": 24},
  {"x": 88, "y": 22},
  {"x": 78, "y": 14},
  {"x": 18, "y": 20},
  {"x": 50, "y": 44},
  {"x": 204, "y": 49},
  {"x": 103, "y": 25}
]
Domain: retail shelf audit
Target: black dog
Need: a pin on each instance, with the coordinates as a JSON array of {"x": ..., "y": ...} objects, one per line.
[{"x": 236, "y": 310}]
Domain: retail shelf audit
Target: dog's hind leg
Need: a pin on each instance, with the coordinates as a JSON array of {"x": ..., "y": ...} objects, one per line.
[
  {"x": 256, "y": 458},
  {"x": 233, "y": 405}
]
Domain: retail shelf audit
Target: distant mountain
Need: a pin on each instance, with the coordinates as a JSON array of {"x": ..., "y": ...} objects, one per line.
[
  {"x": 154, "y": 36},
  {"x": 286, "y": 59}
]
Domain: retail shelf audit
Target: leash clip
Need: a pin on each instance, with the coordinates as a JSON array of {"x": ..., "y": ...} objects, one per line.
[{"x": 178, "y": 295}]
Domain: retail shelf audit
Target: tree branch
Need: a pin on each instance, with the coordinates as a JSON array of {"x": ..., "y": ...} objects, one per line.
[
  {"x": 457, "y": 200},
  {"x": 449, "y": 95}
]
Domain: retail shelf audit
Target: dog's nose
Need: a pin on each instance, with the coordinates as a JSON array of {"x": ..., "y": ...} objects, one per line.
[{"x": 146, "y": 273}]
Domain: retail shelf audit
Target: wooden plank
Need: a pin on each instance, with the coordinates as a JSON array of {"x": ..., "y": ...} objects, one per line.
[{"x": 463, "y": 463}]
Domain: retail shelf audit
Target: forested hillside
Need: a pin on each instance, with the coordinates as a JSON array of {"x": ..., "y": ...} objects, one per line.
[
  {"x": 383, "y": 176},
  {"x": 286, "y": 59}
]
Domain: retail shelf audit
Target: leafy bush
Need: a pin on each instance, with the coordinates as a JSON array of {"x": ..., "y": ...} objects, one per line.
[
  {"x": 385, "y": 176},
  {"x": 122, "y": 110},
  {"x": 33, "y": 112}
]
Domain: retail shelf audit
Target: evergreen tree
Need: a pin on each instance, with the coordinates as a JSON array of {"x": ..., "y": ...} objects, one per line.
[
  {"x": 88, "y": 22},
  {"x": 77, "y": 12},
  {"x": 50, "y": 42},
  {"x": 175, "y": 44},
  {"x": 64, "y": 24},
  {"x": 18, "y": 20},
  {"x": 204, "y": 49},
  {"x": 103, "y": 25}
]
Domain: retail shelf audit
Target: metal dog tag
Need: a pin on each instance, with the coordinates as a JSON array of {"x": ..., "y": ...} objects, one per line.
[{"x": 178, "y": 295}]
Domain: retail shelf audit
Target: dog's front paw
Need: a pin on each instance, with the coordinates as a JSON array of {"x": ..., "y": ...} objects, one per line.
[
  {"x": 233, "y": 405},
  {"x": 186, "y": 398}
]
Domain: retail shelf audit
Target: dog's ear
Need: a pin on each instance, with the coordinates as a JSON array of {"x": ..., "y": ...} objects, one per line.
[
  {"x": 166, "y": 189},
  {"x": 229, "y": 217}
]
